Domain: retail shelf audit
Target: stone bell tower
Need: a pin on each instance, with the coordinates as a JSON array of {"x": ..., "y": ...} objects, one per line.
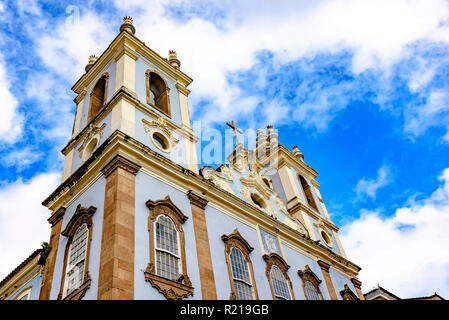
[{"x": 131, "y": 106}]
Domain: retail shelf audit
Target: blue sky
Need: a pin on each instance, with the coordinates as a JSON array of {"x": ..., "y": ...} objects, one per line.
[{"x": 360, "y": 86}]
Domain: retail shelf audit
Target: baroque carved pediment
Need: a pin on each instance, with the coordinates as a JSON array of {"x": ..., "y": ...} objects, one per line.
[
  {"x": 173, "y": 290},
  {"x": 162, "y": 125},
  {"x": 93, "y": 131}
]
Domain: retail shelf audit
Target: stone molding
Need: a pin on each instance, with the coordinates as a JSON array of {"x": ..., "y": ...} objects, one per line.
[
  {"x": 308, "y": 275},
  {"x": 169, "y": 288},
  {"x": 197, "y": 200},
  {"x": 120, "y": 162},
  {"x": 273, "y": 259},
  {"x": 56, "y": 216},
  {"x": 81, "y": 215},
  {"x": 347, "y": 293},
  {"x": 235, "y": 240}
]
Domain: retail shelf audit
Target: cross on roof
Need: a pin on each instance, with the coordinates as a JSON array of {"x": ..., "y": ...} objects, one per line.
[{"x": 236, "y": 130}]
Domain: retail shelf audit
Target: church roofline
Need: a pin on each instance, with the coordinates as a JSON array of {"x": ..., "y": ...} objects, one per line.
[
  {"x": 379, "y": 288},
  {"x": 214, "y": 193},
  {"x": 20, "y": 267}
]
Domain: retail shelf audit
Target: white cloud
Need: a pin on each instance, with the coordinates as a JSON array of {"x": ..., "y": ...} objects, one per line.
[
  {"x": 433, "y": 112},
  {"x": 21, "y": 158},
  {"x": 368, "y": 187},
  {"x": 211, "y": 47},
  {"x": 10, "y": 120},
  {"x": 407, "y": 252},
  {"x": 23, "y": 220},
  {"x": 66, "y": 50}
]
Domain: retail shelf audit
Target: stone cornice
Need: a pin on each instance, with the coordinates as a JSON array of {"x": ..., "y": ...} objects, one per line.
[
  {"x": 182, "y": 89},
  {"x": 120, "y": 162},
  {"x": 132, "y": 43},
  {"x": 357, "y": 284},
  {"x": 287, "y": 158},
  {"x": 302, "y": 207},
  {"x": 137, "y": 152},
  {"x": 123, "y": 93},
  {"x": 56, "y": 216},
  {"x": 324, "y": 265},
  {"x": 197, "y": 200}
]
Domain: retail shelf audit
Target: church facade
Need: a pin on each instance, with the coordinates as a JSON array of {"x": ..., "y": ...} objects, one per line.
[{"x": 135, "y": 218}]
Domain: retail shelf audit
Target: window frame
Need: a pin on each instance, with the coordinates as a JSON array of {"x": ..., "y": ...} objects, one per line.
[
  {"x": 81, "y": 216},
  {"x": 348, "y": 294},
  {"x": 23, "y": 293},
  {"x": 166, "y": 91},
  {"x": 90, "y": 112},
  {"x": 169, "y": 288},
  {"x": 312, "y": 204},
  {"x": 308, "y": 275},
  {"x": 236, "y": 241},
  {"x": 273, "y": 259},
  {"x": 164, "y": 250}
]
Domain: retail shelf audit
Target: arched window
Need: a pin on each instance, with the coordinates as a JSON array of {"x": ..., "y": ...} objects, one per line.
[
  {"x": 158, "y": 93},
  {"x": 24, "y": 295},
  {"x": 312, "y": 292},
  {"x": 77, "y": 259},
  {"x": 307, "y": 192},
  {"x": 310, "y": 284},
  {"x": 276, "y": 271},
  {"x": 258, "y": 200},
  {"x": 167, "y": 269},
  {"x": 167, "y": 249},
  {"x": 280, "y": 285},
  {"x": 240, "y": 268},
  {"x": 76, "y": 278},
  {"x": 98, "y": 97}
]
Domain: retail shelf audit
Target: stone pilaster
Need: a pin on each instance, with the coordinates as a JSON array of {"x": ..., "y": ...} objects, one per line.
[
  {"x": 327, "y": 278},
  {"x": 56, "y": 222},
  {"x": 358, "y": 287},
  {"x": 116, "y": 280},
  {"x": 208, "y": 289}
]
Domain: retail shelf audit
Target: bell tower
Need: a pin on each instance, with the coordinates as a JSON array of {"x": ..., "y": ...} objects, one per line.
[
  {"x": 132, "y": 89},
  {"x": 131, "y": 107}
]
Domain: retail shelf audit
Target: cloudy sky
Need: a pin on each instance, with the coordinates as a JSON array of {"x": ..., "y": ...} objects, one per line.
[{"x": 361, "y": 87}]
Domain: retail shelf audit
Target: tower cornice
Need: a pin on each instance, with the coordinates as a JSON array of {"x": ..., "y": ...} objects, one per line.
[
  {"x": 131, "y": 45},
  {"x": 123, "y": 93}
]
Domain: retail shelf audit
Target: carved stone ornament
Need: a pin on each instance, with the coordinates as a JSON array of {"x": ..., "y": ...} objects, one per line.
[
  {"x": 308, "y": 275},
  {"x": 347, "y": 294},
  {"x": 162, "y": 125},
  {"x": 171, "y": 289},
  {"x": 273, "y": 259},
  {"x": 92, "y": 132},
  {"x": 219, "y": 179}
]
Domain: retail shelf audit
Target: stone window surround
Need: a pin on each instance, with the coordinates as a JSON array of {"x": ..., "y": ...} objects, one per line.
[
  {"x": 308, "y": 275},
  {"x": 166, "y": 91},
  {"x": 235, "y": 240},
  {"x": 169, "y": 288},
  {"x": 91, "y": 116},
  {"x": 275, "y": 259},
  {"x": 81, "y": 215},
  {"x": 347, "y": 294}
]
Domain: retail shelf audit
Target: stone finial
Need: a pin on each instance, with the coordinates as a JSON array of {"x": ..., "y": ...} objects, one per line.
[
  {"x": 297, "y": 153},
  {"x": 127, "y": 25},
  {"x": 270, "y": 129},
  {"x": 173, "y": 59},
  {"x": 92, "y": 60}
]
